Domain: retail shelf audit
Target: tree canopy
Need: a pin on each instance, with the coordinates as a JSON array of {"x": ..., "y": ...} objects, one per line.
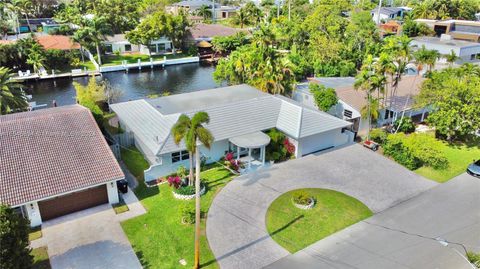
[{"x": 324, "y": 97}]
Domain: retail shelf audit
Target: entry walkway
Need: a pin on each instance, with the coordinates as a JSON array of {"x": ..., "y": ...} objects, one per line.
[{"x": 236, "y": 229}]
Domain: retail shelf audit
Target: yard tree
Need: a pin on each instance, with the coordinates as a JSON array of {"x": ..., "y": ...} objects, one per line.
[
  {"x": 454, "y": 95},
  {"x": 193, "y": 131},
  {"x": 14, "y": 244},
  {"x": 324, "y": 97},
  {"x": 151, "y": 28},
  {"x": 12, "y": 97},
  {"x": 96, "y": 29},
  {"x": 204, "y": 12},
  {"x": 176, "y": 29}
]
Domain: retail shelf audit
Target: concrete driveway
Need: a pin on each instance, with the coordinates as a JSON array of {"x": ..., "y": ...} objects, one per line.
[
  {"x": 236, "y": 228},
  {"x": 404, "y": 236},
  {"x": 89, "y": 239}
]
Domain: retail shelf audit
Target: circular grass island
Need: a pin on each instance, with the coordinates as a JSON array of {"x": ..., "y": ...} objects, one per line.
[{"x": 294, "y": 228}]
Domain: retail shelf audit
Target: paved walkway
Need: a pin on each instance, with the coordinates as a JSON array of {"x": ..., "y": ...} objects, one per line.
[
  {"x": 236, "y": 228},
  {"x": 88, "y": 239},
  {"x": 135, "y": 207},
  {"x": 403, "y": 236}
]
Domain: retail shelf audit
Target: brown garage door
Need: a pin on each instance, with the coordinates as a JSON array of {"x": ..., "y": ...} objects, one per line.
[{"x": 73, "y": 202}]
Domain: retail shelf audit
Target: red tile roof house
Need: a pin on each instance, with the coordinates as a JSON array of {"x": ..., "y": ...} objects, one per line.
[{"x": 54, "y": 162}]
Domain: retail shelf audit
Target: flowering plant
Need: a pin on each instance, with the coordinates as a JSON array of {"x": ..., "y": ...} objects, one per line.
[
  {"x": 289, "y": 146},
  {"x": 174, "y": 181},
  {"x": 231, "y": 163}
]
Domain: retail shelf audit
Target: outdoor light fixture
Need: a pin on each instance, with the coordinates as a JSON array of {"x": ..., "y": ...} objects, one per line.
[{"x": 31, "y": 206}]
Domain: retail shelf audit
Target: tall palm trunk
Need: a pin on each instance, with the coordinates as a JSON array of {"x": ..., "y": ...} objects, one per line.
[
  {"x": 190, "y": 174},
  {"x": 197, "y": 210},
  {"x": 98, "y": 54},
  {"x": 81, "y": 53},
  {"x": 28, "y": 22}
]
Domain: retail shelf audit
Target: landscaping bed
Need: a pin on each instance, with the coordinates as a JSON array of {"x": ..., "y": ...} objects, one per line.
[
  {"x": 161, "y": 237},
  {"x": 295, "y": 228}
]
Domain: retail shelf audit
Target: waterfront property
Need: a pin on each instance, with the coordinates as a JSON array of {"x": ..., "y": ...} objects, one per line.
[
  {"x": 206, "y": 32},
  {"x": 54, "y": 162},
  {"x": 238, "y": 116},
  {"x": 351, "y": 101},
  {"x": 192, "y": 6},
  {"x": 119, "y": 44}
]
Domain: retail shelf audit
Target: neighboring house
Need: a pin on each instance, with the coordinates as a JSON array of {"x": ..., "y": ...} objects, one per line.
[
  {"x": 465, "y": 50},
  {"x": 458, "y": 29},
  {"x": 390, "y": 27},
  {"x": 54, "y": 162},
  {"x": 388, "y": 13},
  {"x": 118, "y": 43},
  {"x": 351, "y": 101},
  {"x": 192, "y": 6},
  {"x": 206, "y": 32},
  {"x": 238, "y": 117},
  {"x": 59, "y": 42},
  {"x": 36, "y": 24}
]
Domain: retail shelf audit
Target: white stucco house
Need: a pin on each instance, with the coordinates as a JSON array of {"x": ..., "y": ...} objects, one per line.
[
  {"x": 118, "y": 43},
  {"x": 351, "y": 101},
  {"x": 466, "y": 51},
  {"x": 238, "y": 117},
  {"x": 55, "y": 161},
  {"x": 388, "y": 13}
]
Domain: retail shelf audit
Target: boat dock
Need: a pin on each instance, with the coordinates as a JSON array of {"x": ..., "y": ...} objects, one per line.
[{"x": 54, "y": 76}]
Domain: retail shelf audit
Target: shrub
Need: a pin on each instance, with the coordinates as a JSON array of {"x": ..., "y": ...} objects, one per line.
[
  {"x": 404, "y": 125},
  {"x": 301, "y": 197},
  {"x": 474, "y": 258},
  {"x": 185, "y": 190},
  {"x": 174, "y": 181},
  {"x": 378, "y": 135},
  {"x": 14, "y": 244},
  {"x": 415, "y": 150},
  {"x": 280, "y": 148},
  {"x": 182, "y": 171},
  {"x": 188, "y": 213}
]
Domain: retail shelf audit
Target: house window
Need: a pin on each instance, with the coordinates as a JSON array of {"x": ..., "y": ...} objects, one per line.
[
  {"x": 161, "y": 47},
  {"x": 153, "y": 48},
  {"x": 128, "y": 47},
  {"x": 388, "y": 114},
  {"x": 347, "y": 113},
  {"x": 180, "y": 156},
  {"x": 108, "y": 48}
]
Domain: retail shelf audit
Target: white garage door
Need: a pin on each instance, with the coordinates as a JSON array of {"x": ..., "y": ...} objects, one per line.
[{"x": 318, "y": 142}]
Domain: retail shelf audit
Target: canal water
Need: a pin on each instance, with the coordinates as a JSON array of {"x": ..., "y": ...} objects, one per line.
[{"x": 134, "y": 84}]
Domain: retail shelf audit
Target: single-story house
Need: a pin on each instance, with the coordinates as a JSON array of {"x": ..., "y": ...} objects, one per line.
[
  {"x": 238, "y": 117},
  {"x": 466, "y": 51},
  {"x": 206, "y": 32},
  {"x": 351, "y": 101},
  {"x": 458, "y": 29},
  {"x": 388, "y": 13},
  {"x": 192, "y": 6},
  {"x": 54, "y": 162},
  {"x": 119, "y": 43},
  {"x": 59, "y": 42}
]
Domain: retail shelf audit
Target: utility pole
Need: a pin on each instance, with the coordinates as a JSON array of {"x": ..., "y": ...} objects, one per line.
[{"x": 378, "y": 12}]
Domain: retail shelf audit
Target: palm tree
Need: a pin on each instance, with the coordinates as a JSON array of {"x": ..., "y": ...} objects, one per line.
[
  {"x": 36, "y": 59},
  {"x": 12, "y": 97},
  {"x": 97, "y": 30},
  {"x": 192, "y": 131},
  {"x": 242, "y": 17},
  {"x": 451, "y": 58},
  {"x": 24, "y": 7},
  {"x": 204, "y": 11}
]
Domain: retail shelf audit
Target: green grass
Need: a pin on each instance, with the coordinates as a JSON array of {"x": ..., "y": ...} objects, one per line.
[
  {"x": 459, "y": 157},
  {"x": 40, "y": 258},
  {"x": 120, "y": 207},
  {"x": 158, "y": 237},
  {"x": 35, "y": 233},
  {"x": 295, "y": 229},
  {"x": 133, "y": 58}
]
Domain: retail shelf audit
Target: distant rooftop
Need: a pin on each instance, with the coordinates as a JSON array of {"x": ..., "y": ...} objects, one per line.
[
  {"x": 388, "y": 10},
  {"x": 452, "y": 43},
  {"x": 329, "y": 82},
  {"x": 207, "y": 31},
  {"x": 180, "y": 103},
  {"x": 195, "y": 3}
]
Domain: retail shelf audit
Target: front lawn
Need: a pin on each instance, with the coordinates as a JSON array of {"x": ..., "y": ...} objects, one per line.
[
  {"x": 133, "y": 58},
  {"x": 35, "y": 233},
  {"x": 459, "y": 157},
  {"x": 40, "y": 258},
  {"x": 158, "y": 237},
  {"x": 295, "y": 229}
]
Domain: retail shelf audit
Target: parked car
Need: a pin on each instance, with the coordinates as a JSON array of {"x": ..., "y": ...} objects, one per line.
[
  {"x": 474, "y": 168},
  {"x": 122, "y": 186}
]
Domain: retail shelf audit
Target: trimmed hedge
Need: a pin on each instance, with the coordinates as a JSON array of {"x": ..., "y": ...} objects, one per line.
[
  {"x": 378, "y": 135},
  {"x": 404, "y": 125}
]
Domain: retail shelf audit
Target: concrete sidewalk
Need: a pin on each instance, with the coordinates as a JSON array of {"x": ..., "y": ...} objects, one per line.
[{"x": 135, "y": 207}]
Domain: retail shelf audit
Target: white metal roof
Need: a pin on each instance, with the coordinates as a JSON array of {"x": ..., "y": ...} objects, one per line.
[
  {"x": 250, "y": 112},
  {"x": 253, "y": 140}
]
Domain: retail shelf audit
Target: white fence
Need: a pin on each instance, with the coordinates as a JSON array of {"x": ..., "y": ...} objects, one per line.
[
  {"x": 116, "y": 151},
  {"x": 126, "y": 139},
  {"x": 139, "y": 65}
]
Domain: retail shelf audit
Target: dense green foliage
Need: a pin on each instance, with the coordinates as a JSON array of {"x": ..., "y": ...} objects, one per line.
[
  {"x": 378, "y": 135},
  {"x": 91, "y": 96},
  {"x": 445, "y": 9},
  {"x": 12, "y": 98},
  {"x": 14, "y": 244},
  {"x": 415, "y": 150},
  {"x": 454, "y": 94},
  {"x": 412, "y": 28},
  {"x": 227, "y": 44},
  {"x": 404, "y": 125},
  {"x": 295, "y": 229},
  {"x": 276, "y": 150},
  {"x": 324, "y": 97}
]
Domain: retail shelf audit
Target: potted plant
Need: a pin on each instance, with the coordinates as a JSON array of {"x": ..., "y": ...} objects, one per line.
[{"x": 303, "y": 200}]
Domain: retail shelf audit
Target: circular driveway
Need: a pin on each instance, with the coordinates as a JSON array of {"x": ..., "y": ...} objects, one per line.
[{"x": 236, "y": 229}]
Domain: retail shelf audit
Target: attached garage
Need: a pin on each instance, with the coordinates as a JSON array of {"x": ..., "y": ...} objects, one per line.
[
  {"x": 318, "y": 142},
  {"x": 73, "y": 202}
]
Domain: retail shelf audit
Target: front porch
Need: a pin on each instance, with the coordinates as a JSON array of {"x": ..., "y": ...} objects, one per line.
[{"x": 250, "y": 149}]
